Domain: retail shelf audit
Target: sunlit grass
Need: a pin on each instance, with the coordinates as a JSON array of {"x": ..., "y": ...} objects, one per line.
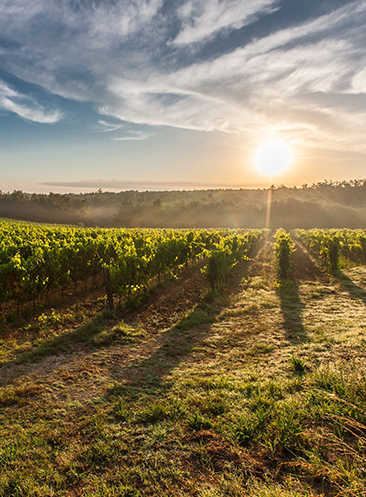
[{"x": 250, "y": 393}]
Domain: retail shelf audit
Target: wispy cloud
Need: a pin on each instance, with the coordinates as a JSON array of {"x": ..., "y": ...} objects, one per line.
[
  {"x": 266, "y": 84},
  {"x": 108, "y": 127},
  {"x": 201, "y": 19},
  {"x": 138, "y": 185},
  {"x": 25, "y": 107},
  {"x": 128, "y": 134},
  {"x": 134, "y": 136},
  {"x": 144, "y": 62}
]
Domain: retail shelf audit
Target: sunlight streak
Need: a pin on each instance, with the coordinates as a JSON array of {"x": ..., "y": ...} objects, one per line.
[{"x": 268, "y": 211}]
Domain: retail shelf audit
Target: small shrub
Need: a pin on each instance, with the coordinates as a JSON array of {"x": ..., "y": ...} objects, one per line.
[{"x": 54, "y": 319}]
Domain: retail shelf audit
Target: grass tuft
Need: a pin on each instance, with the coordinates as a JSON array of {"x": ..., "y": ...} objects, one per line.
[
  {"x": 153, "y": 413},
  {"x": 198, "y": 422},
  {"x": 298, "y": 365}
]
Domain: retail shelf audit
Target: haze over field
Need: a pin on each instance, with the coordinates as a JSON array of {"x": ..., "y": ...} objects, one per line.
[
  {"x": 321, "y": 205},
  {"x": 180, "y": 95}
]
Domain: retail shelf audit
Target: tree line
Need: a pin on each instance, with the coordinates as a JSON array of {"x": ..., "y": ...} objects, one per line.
[{"x": 328, "y": 204}]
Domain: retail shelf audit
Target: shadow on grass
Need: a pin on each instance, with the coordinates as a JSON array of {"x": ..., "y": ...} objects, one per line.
[
  {"x": 291, "y": 309},
  {"x": 63, "y": 343},
  {"x": 303, "y": 270},
  {"x": 348, "y": 285},
  {"x": 177, "y": 342}
]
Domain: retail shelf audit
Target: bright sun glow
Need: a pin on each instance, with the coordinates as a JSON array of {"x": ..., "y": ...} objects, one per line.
[{"x": 273, "y": 158}]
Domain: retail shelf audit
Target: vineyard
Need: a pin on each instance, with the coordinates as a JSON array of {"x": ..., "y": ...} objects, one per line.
[
  {"x": 241, "y": 371},
  {"x": 329, "y": 245},
  {"x": 35, "y": 260}
]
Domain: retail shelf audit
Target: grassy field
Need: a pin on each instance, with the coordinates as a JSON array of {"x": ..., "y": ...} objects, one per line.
[{"x": 256, "y": 390}]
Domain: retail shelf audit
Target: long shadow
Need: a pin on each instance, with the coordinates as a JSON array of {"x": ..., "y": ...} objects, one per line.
[
  {"x": 61, "y": 344},
  {"x": 292, "y": 308},
  {"x": 348, "y": 285},
  {"x": 176, "y": 343},
  {"x": 84, "y": 336}
]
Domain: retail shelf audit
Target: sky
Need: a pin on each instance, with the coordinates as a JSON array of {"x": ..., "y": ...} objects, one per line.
[{"x": 159, "y": 95}]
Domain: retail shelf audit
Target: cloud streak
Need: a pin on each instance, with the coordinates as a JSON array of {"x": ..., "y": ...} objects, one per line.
[
  {"x": 26, "y": 107},
  {"x": 108, "y": 127},
  {"x": 134, "y": 136},
  {"x": 144, "y": 62},
  {"x": 202, "y": 19},
  {"x": 138, "y": 185}
]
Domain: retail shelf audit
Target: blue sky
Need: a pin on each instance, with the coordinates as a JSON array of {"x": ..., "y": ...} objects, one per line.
[{"x": 179, "y": 94}]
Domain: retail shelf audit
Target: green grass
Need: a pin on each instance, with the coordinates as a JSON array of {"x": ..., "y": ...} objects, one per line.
[{"x": 257, "y": 391}]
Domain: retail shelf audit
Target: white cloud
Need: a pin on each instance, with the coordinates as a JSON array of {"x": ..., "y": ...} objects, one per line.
[
  {"x": 107, "y": 126},
  {"x": 26, "y": 107},
  {"x": 134, "y": 136},
  {"x": 359, "y": 81},
  {"x": 202, "y": 18},
  {"x": 123, "y": 57}
]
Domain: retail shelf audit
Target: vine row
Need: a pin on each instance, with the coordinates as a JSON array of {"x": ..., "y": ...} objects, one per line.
[{"x": 35, "y": 259}]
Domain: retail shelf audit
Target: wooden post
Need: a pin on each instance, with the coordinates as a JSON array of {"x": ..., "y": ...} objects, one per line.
[{"x": 108, "y": 288}]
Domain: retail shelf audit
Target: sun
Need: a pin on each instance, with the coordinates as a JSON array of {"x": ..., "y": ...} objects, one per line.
[{"x": 273, "y": 158}]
